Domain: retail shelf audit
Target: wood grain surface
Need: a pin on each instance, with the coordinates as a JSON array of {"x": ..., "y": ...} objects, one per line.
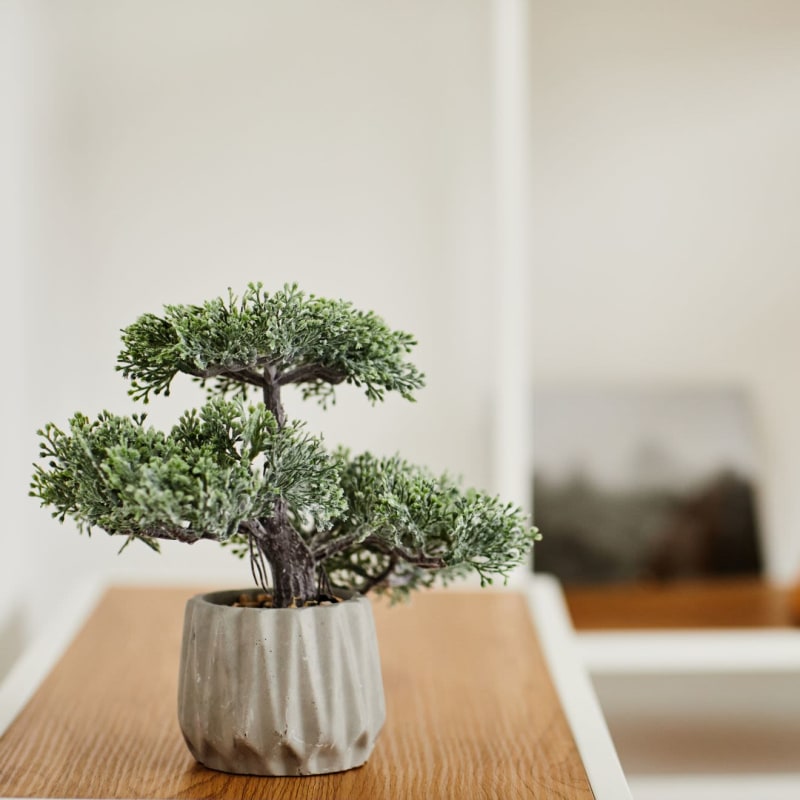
[
  {"x": 721, "y": 603},
  {"x": 471, "y": 711}
]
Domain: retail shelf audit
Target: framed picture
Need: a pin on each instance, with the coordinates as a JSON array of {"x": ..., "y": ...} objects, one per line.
[{"x": 644, "y": 483}]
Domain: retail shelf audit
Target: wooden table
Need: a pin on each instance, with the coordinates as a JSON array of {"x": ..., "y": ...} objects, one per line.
[{"x": 472, "y": 710}]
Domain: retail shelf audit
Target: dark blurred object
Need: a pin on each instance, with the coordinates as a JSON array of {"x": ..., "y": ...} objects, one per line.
[
  {"x": 711, "y": 533},
  {"x": 644, "y": 485}
]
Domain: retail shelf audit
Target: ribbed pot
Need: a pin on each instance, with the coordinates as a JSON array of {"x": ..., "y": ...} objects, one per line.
[{"x": 281, "y": 691}]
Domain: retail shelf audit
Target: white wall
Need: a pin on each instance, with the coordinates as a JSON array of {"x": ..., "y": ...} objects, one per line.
[
  {"x": 16, "y": 556},
  {"x": 185, "y": 147},
  {"x": 667, "y": 192},
  {"x": 177, "y": 148}
]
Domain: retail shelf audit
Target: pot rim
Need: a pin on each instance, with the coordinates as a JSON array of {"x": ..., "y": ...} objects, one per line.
[{"x": 223, "y": 598}]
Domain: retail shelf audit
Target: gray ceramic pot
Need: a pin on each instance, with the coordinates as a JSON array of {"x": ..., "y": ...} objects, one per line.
[{"x": 267, "y": 691}]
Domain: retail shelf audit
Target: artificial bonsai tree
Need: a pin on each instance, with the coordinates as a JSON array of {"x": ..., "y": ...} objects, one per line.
[{"x": 249, "y": 477}]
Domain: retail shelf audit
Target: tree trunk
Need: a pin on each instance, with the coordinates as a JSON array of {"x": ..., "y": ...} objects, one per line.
[
  {"x": 291, "y": 562},
  {"x": 272, "y": 396}
]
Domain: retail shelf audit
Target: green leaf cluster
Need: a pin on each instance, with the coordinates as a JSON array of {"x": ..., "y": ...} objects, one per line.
[
  {"x": 240, "y": 474},
  {"x": 299, "y": 338},
  {"x": 426, "y": 525},
  {"x": 217, "y": 467}
]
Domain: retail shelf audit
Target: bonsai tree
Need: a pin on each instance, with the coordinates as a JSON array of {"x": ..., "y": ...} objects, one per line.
[{"x": 243, "y": 474}]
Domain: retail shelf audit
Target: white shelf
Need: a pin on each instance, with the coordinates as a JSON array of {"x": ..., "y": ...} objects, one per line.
[
  {"x": 550, "y": 615},
  {"x": 692, "y": 651},
  {"x": 715, "y": 787}
]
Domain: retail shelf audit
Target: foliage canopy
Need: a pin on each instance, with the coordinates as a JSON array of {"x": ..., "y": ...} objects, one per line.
[
  {"x": 299, "y": 338},
  {"x": 243, "y": 475}
]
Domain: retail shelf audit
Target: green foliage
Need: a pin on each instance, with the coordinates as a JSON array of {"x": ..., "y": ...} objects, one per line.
[
  {"x": 300, "y": 338},
  {"x": 428, "y": 524},
  {"x": 246, "y": 477},
  {"x": 217, "y": 467}
]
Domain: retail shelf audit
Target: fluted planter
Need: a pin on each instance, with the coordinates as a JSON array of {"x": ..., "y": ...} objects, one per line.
[{"x": 267, "y": 691}]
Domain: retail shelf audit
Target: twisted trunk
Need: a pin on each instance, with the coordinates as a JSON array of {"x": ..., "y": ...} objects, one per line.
[{"x": 292, "y": 564}]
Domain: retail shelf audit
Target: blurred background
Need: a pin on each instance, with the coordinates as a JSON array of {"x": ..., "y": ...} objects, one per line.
[
  {"x": 551, "y": 196},
  {"x": 163, "y": 152}
]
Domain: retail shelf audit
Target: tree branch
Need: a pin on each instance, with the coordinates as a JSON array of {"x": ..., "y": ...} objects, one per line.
[
  {"x": 420, "y": 560},
  {"x": 312, "y": 372},
  {"x": 237, "y": 372},
  {"x": 372, "y": 582},
  {"x": 244, "y": 375},
  {"x": 272, "y": 395},
  {"x": 253, "y": 527},
  {"x": 185, "y": 535},
  {"x": 215, "y": 370},
  {"x": 343, "y": 542},
  {"x": 335, "y": 546},
  {"x": 258, "y": 569}
]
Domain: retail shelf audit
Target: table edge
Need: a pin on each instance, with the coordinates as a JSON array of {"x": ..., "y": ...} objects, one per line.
[
  {"x": 38, "y": 658},
  {"x": 548, "y": 610}
]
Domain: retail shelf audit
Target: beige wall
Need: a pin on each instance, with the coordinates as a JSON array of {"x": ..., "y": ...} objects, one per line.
[
  {"x": 16, "y": 557},
  {"x": 184, "y": 147},
  {"x": 667, "y": 198},
  {"x": 173, "y": 149}
]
